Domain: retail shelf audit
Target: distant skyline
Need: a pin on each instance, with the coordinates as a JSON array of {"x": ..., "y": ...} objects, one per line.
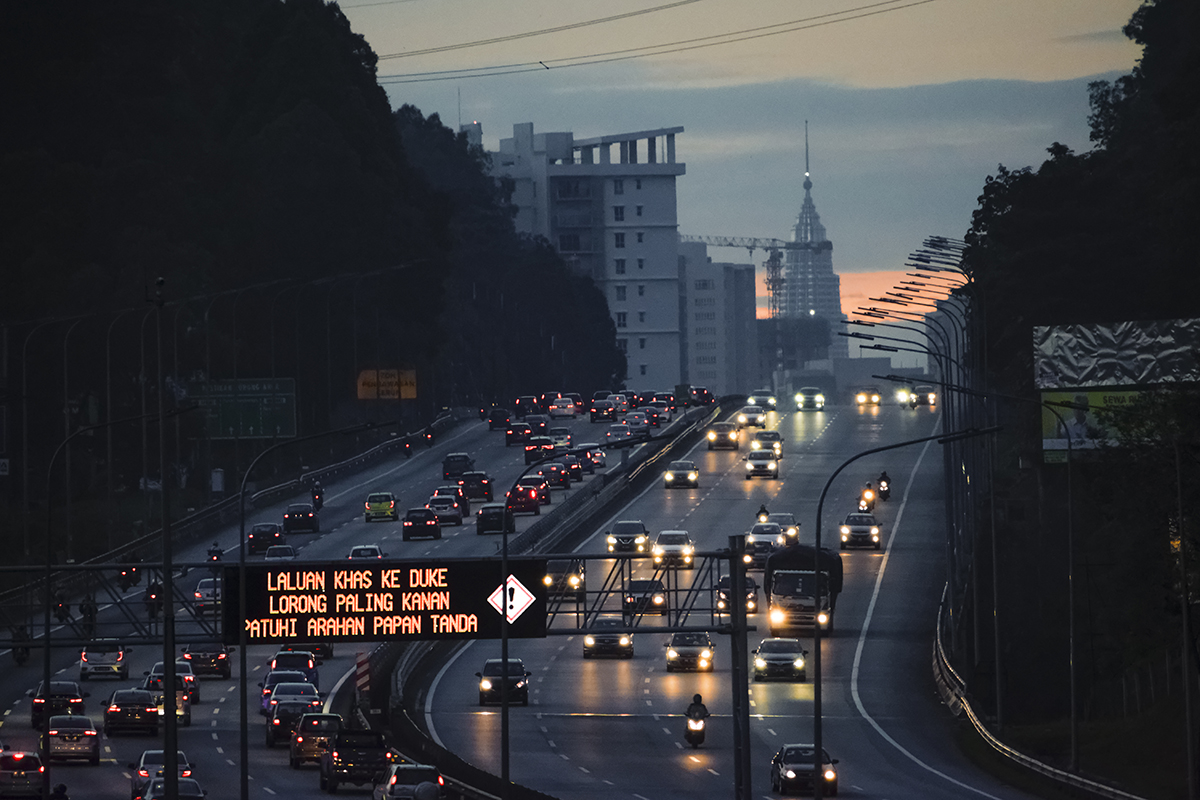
[{"x": 911, "y": 105}]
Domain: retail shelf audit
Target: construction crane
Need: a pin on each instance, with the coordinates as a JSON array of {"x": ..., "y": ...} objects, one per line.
[{"x": 773, "y": 265}]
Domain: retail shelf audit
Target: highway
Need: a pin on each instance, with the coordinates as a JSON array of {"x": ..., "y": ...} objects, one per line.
[{"x": 614, "y": 726}]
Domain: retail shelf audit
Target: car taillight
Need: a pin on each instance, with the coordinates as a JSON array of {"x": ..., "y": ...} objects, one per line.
[
  {"x": 187, "y": 656},
  {"x": 121, "y": 655},
  {"x": 186, "y": 773},
  {"x": 367, "y": 506},
  {"x": 198, "y": 595},
  {"x": 83, "y": 657},
  {"x": 152, "y": 709},
  {"x": 143, "y": 773},
  {"x": 220, "y": 656},
  {"x": 114, "y": 709},
  {"x": 274, "y": 722},
  {"x": 89, "y": 733},
  {"x": 39, "y": 699},
  {"x": 76, "y": 699},
  {"x": 54, "y": 733},
  {"x": 299, "y": 739}
]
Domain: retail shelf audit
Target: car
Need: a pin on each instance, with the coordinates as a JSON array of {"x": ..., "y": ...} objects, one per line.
[
  {"x": 476, "y": 485},
  {"x": 312, "y": 731},
  {"x": 187, "y": 789},
  {"x": 183, "y": 703},
  {"x": 664, "y": 411},
  {"x": 619, "y": 402},
  {"x": 523, "y": 499},
  {"x": 723, "y": 435},
  {"x": 556, "y": 475},
  {"x": 690, "y": 651},
  {"x": 566, "y": 578},
  {"x": 639, "y": 424},
  {"x": 367, "y": 551},
  {"x": 495, "y": 673},
  {"x": 752, "y": 417},
  {"x": 758, "y": 549},
  {"x": 577, "y": 399},
  {"x": 618, "y": 433},
  {"x": 644, "y": 596},
  {"x": 537, "y": 448},
  {"x": 860, "y": 529},
  {"x": 764, "y": 398},
  {"x": 321, "y": 650},
  {"x": 545, "y": 399},
  {"x": 354, "y": 756},
  {"x": 525, "y": 405},
  {"x": 674, "y": 548},
  {"x": 304, "y": 661},
  {"x": 628, "y": 536},
  {"x": 923, "y": 395},
  {"x": 209, "y": 658},
  {"x": 606, "y": 636},
  {"x": 539, "y": 423},
  {"x": 456, "y": 491},
  {"x": 538, "y": 482},
  {"x": 592, "y": 452},
  {"x": 293, "y": 692},
  {"x": 516, "y": 433},
  {"x": 262, "y": 535},
  {"x": 562, "y": 407},
  {"x": 760, "y": 462},
  {"x": 284, "y": 718},
  {"x": 207, "y": 595},
  {"x": 560, "y": 436},
  {"x": 770, "y": 441},
  {"x": 779, "y": 657},
  {"x": 573, "y": 466},
  {"x": 182, "y": 669},
  {"x": 149, "y": 767},
  {"x": 665, "y": 397},
  {"x": 725, "y": 588},
  {"x": 301, "y": 517},
  {"x": 128, "y": 709},
  {"x": 701, "y": 396},
  {"x": 420, "y": 522},
  {"x": 498, "y": 419},
  {"x": 402, "y": 780},
  {"x": 381, "y": 505},
  {"x": 455, "y": 464},
  {"x": 104, "y": 658},
  {"x": 867, "y": 396},
  {"x": 494, "y": 518},
  {"x": 794, "y": 769},
  {"x": 280, "y": 552},
  {"x": 681, "y": 473},
  {"x": 788, "y": 525},
  {"x": 267, "y": 684},
  {"x": 21, "y": 774},
  {"x": 64, "y": 697},
  {"x": 447, "y": 509},
  {"x": 810, "y": 397},
  {"x": 72, "y": 736},
  {"x": 602, "y": 410}
]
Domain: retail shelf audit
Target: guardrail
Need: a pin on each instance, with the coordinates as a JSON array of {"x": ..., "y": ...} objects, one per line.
[{"x": 954, "y": 692}]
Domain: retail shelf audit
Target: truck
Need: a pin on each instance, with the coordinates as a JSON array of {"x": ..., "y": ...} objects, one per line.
[{"x": 802, "y": 586}]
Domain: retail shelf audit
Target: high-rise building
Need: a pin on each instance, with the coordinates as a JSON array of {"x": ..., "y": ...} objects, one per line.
[
  {"x": 717, "y": 318},
  {"x": 607, "y": 204}
]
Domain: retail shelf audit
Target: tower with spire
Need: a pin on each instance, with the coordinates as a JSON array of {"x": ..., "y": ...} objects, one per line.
[{"x": 811, "y": 288}]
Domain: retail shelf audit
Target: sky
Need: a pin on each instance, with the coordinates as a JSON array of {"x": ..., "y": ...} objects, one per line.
[{"x": 910, "y": 104}]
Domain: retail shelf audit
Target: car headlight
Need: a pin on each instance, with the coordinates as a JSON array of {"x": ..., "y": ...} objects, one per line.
[
  {"x": 612, "y": 540},
  {"x": 874, "y": 398},
  {"x": 640, "y": 540},
  {"x": 760, "y": 663},
  {"x": 658, "y": 599},
  {"x": 750, "y": 604},
  {"x": 756, "y": 445},
  {"x": 485, "y": 685},
  {"x": 790, "y": 774},
  {"x": 777, "y": 616},
  {"x": 706, "y": 653},
  {"x": 658, "y": 551},
  {"x": 798, "y": 663},
  {"x": 732, "y": 435},
  {"x": 688, "y": 550},
  {"x": 720, "y": 604},
  {"x": 741, "y": 417},
  {"x": 823, "y": 617},
  {"x": 693, "y": 476},
  {"x": 548, "y": 580},
  {"x": 672, "y": 655},
  {"x": 845, "y": 537},
  {"x": 749, "y": 465},
  {"x": 820, "y": 398},
  {"x": 874, "y": 531},
  {"x": 574, "y": 580},
  {"x": 861, "y": 398},
  {"x": 771, "y": 465},
  {"x": 830, "y": 775},
  {"x": 625, "y": 640},
  {"x": 712, "y": 435},
  {"x": 747, "y": 558},
  {"x": 521, "y": 684},
  {"x": 670, "y": 476},
  {"x": 845, "y": 529},
  {"x": 589, "y": 640}
]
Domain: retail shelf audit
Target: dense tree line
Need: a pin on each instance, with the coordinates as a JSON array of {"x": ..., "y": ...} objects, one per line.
[
  {"x": 243, "y": 151},
  {"x": 1097, "y": 237}
]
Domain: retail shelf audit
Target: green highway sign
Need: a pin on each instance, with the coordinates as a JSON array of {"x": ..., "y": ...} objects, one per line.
[{"x": 250, "y": 408}]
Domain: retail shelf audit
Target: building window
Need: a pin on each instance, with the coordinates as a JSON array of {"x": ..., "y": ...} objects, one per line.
[
  {"x": 705, "y": 316},
  {"x": 639, "y": 211},
  {"x": 618, "y": 213},
  {"x": 620, "y": 293},
  {"x": 619, "y": 186},
  {"x": 568, "y": 242},
  {"x": 643, "y": 369},
  {"x": 706, "y": 330},
  {"x": 619, "y": 266},
  {"x": 641, "y": 237},
  {"x": 641, "y": 290},
  {"x": 706, "y": 359},
  {"x": 706, "y": 345},
  {"x": 704, "y": 285},
  {"x": 621, "y": 317},
  {"x": 641, "y": 316},
  {"x": 642, "y": 343},
  {"x": 572, "y": 189},
  {"x": 641, "y": 263},
  {"x": 618, "y": 240},
  {"x": 623, "y": 345},
  {"x": 637, "y": 184},
  {"x": 701, "y": 302}
]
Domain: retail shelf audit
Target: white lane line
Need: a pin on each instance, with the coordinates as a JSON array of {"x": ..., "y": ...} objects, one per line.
[
  {"x": 329, "y": 700},
  {"x": 862, "y": 640},
  {"x": 550, "y": 742},
  {"x": 714, "y": 772},
  {"x": 433, "y": 690},
  {"x": 220, "y": 750},
  {"x": 667, "y": 731},
  {"x": 585, "y": 769},
  {"x": 772, "y": 731}
]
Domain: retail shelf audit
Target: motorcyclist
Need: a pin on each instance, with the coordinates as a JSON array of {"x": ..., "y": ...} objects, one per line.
[
  {"x": 697, "y": 710},
  {"x": 318, "y": 495},
  {"x": 153, "y": 598},
  {"x": 883, "y": 478},
  {"x": 62, "y": 609},
  {"x": 885, "y": 485},
  {"x": 20, "y": 648},
  {"x": 59, "y": 793},
  {"x": 88, "y": 610},
  {"x": 428, "y": 436},
  {"x": 763, "y": 513},
  {"x": 215, "y": 552}
]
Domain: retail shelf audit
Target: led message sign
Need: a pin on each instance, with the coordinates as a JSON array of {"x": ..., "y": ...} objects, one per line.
[{"x": 369, "y": 601}]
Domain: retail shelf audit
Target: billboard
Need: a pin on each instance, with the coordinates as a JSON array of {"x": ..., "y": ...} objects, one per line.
[
  {"x": 1136, "y": 353},
  {"x": 384, "y": 600},
  {"x": 1079, "y": 421},
  {"x": 387, "y": 384}
]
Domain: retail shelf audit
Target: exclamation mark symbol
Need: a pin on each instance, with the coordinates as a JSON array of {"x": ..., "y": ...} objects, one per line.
[{"x": 512, "y": 593}]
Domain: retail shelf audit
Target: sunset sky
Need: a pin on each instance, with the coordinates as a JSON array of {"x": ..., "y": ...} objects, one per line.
[{"x": 911, "y": 104}]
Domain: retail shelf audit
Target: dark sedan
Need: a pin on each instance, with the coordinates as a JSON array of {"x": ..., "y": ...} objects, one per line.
[
  {"x": 301, "y": 517},
  {"x": 131, "y": 709},
  {"x": 494, "y": 675},
  {"x": 794, "y": 769},
  {"x": 263, "y": 535},
  {"x": 420, "y": 522}
]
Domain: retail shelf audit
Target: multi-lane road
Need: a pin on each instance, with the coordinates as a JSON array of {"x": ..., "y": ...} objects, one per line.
[{"x": 613, "y": 726}]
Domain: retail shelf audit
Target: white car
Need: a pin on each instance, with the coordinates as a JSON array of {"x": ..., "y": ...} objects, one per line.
[
  {"x": 366, "y": 551},
  {"x": 618, "y": 432},
  {"x": 620, "y": 403},
  {"x": 637, "y": 422},
  {"x": 280, "y": 552},
  {"x": 674, "y": 547},
  {"x": 448, "y": 510},
  {"x": 562, "y": 407}
]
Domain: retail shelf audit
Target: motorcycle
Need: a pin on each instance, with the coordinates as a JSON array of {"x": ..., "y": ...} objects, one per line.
[
  {"x": 62, "y": 612},
  {"x": 318, "y": 500},
  {"x": 154, "y": 601},
  {"x": 20, "y": 650},
  {"x": 130, "y": 576},
  {"x": 885, "y": 491},
  {"x": 866, "y": 501},
  {"x": 407, "y": 449},
  {"x": 695, "y": 731}
]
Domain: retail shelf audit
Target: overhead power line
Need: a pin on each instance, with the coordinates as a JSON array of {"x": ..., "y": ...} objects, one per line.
[{"x": 748, "y": 34}]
